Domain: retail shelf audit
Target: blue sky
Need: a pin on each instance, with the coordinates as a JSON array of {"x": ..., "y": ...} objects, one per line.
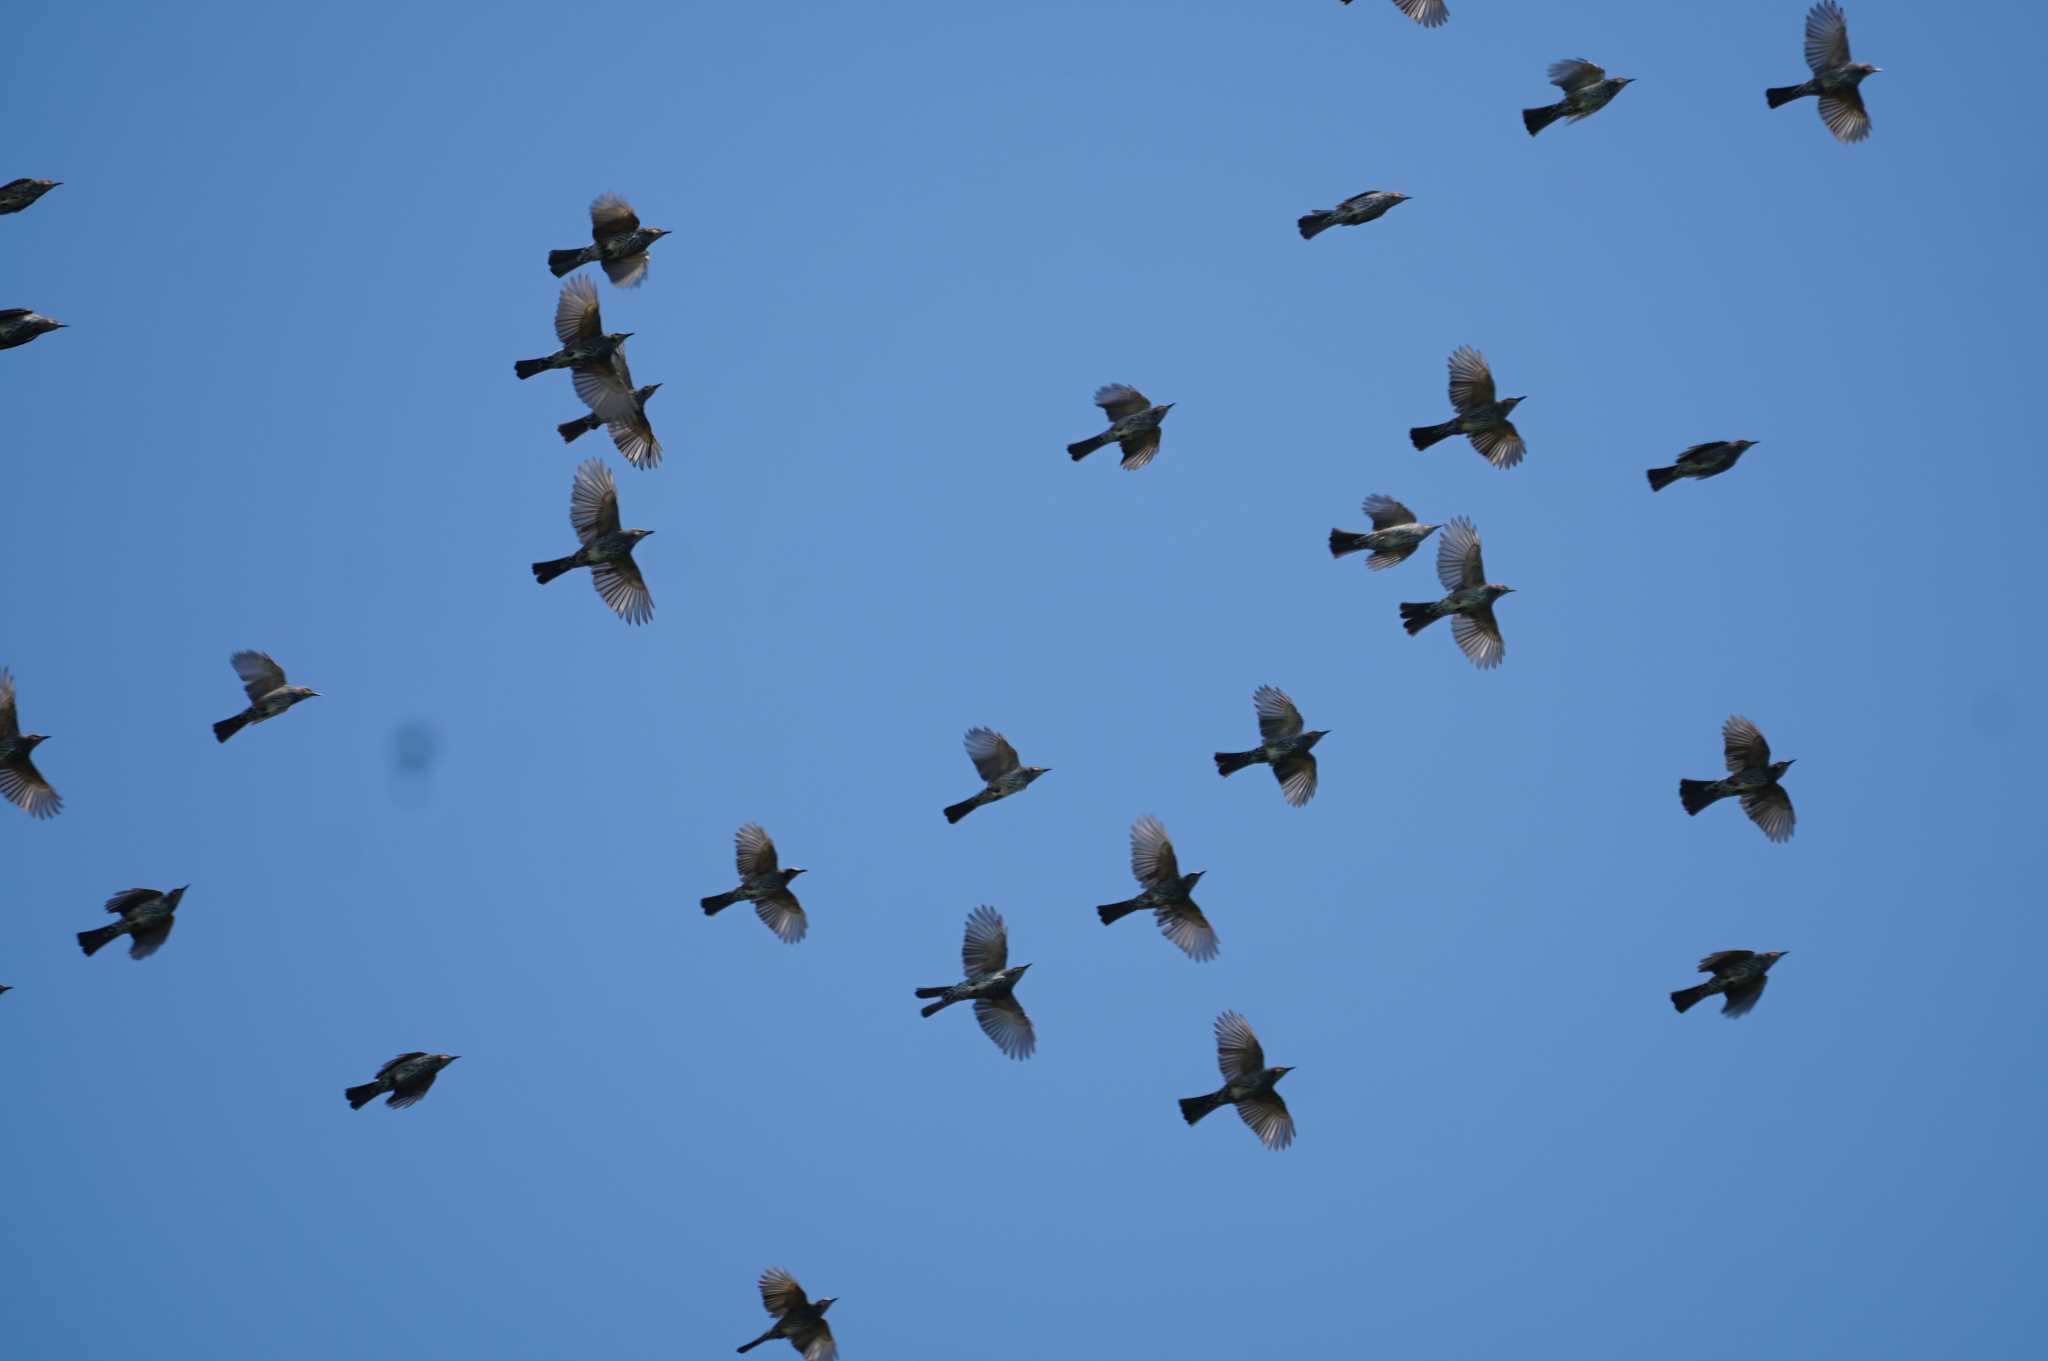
[{"x": 299, "y": 253}]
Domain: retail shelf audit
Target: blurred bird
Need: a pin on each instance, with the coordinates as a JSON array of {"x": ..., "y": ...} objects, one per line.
[
  {"x": 619, "y": 243},
  {"x": 1428, "y": 13},
  {"x": 18, "y": 326},
  {"x": 1469, "y": 606},
  {"x": 1352, "y": 212},
  {"x": 1480, "y": 418},
  {"x": 796, "y": 1318},
  {"x": 995, "y": 760},
  {"x": 21, "y": 784},
  {"x": 1395, "y": 534},
  {"x": 1283, "y": 746},
  {"x": 269, "y": 696},
  {"x": 406, "y": 1077},
  {"x": 19, "y": 194},
  {"x": 1167, "y": 890},
  {"x": 1739, "y": 975},
  {"x": 1133, "y": 425},
  {"x": 146, "y": 919},
  {"x": 624, "y": 418},
  {"x": 5, "y": 987},
  {"x": 607, "y": 549},
  {"x": 586, "y": 345},
  {"x": 1702, "y": 461},
  {"x": 1248, "y": 1084},
  {"x": 765, "y": 884},
  {"x": 1752, "y": 776},
  {"x": 1835, "y": 78},
  {"x": 990, "y": 984},
  {"x": 1587, "y": 88}
]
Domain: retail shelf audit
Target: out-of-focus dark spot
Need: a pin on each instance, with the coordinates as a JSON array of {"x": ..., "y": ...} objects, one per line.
[{"x": 415, "y": 747}]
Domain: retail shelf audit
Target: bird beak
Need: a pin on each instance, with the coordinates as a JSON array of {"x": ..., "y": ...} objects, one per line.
[
  {"x": 1875, "y": 69},
  {"x": 795, "y": 872},
  {"x": 1793, "y": 762},
  {"x": 653, "y": 388},
  {"x": 1022, "y": 967},
  {"x": 625, "y": 336},
  {"x": 314, "y": 694},
  {"x": 453, "y": 1057}
]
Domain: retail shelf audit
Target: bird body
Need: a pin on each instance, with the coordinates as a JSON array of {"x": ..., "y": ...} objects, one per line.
[
  {"x": 1482, "y": 417},
  {"x": 406, "y": 1078},
  {"x": 1134, "y": 426},
  {"x": 1752, "y": 777},
  {"x": 146, "y": 917},
  {"x": 996, "y": 761},
  {"x": 1284, "y": 746},
  {"x": 21, "y": 784},
  {"x": 1352, "y": 212},
  {"x": 1248, "y": 1084},
  {"x": 765, "y": 884},
  {"x": 1167, "y": 893},
  {"x": 1394, "y": 535},
  {"x": 798, "y": 1320},
  {"x": 1738, "y": 975},
  {"x": 990, "y": 983},
  {"x": 1701, "y": 461},
  {"x": 19, "y": 194},
  {"x": 1587, "y": 90},
  {"x": 606, "y": 548},
  {"x": 1837, "y": 81},
  {"x": 1469, "y": 602},
  {"x": 264, "y": 683},
  {"x": 617, "y": 242},
  {"x": 18, "y": 326}
]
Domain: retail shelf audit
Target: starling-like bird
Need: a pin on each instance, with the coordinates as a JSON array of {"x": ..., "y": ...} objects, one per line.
[
  {"x": 618, "y": 242},
  {"x": 1469, "y": 606},
  {"x": 1836, "y": 79},
  {"x": 1394, "y": 536},
  {"x": 1133, "y": 425},
  {"x": 624, "y": 418},
  {"x": 1702, "y": 460},
  {"x": 146, "y": 919},
  {"x": 1283, "y": 745},
  {"x": 1481, "y": 418},
  {"x": 1428, "y": 13},
  {"x": 18, "y": 326},
  {"x": 19, "y": 194},
  {"x": 1752, "y": 775},
  {"x": 765, "y": 884},
  {"x": 586, "y": 345},
  {"x": 796, "y": 1318},
  {"x": 406, "y": 1077},
  {"x": 995, "y": 760},
  {"x": 21, "y": 784},
  {"x": 1352, "y": 212},
  {"x": 607, "y": 549},
  {"x": 990, "y": 984},
  {"x": 263, "y": 681},
  {"x": 1738, "y": 975},
  {"x": 1167, "y": 893},
  {"x": 1587, "y": 88},
  {"x": 1248, "y": 1084}
]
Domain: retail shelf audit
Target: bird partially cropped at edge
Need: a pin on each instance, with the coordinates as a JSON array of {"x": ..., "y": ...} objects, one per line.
[
  {"x": 1428, "y": 13},
  {"x": 18, "y": 326},
  {"x": 1738, "y": 975},
  {"x": 995, "y": 760},
  {"x": 618, "y": 242},
  {"x": 625, "y": 420},
  {"x": 607, "y": 549},
  {"x": 765, "y": 884},
  {"x": 1752, "y": 776},
  {"x": 1394, "y": 536},
  {"x": 16, "y": 195},
  {"x": 1133, "y": 426},
  {"x": 1702, "y": 461},
  {"x": 990, "y": 983},
  {"x": 1283, "y": 745},
  {"x": 263, "y": 682},
  {"x": 580, "y": 327},
  {"x": 21, "y": 784},
  {"x": 1481, "y": 417},
  {"x": 1352, "y": 212},
  {"x": 1836, "y": 79},
  {"x": 1587, "y": 90},
  {"x": 1248, "y": 1084},
  {"x": 407, "y": 1077},
  {"x": 1469, "y": 604},
  {"x": 147, "y": 916},
  {"x": 797, "y": 1319},
  {"x": 1167, "y": 893}
]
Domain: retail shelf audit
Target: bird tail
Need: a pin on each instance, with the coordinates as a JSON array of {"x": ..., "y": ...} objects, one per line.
[
  {"x": 1696, "y": 794},
  {"x": 936, "y": 1007},
  {"x": 931, "y": 992},
  {"x": 1343, "y": 541},
  {"x": 544, "y": 572},
  {"x": 1230, "y": 762},
  {"x": 1193, "y": 1108},
  {"x": 93, "y": 940},
  {"x": 359, "y": 1097},
  {"x": 1784, "y": 94},
  {"x": 1422, "y": 436},
  {"x": 1538, "y": 119},
  {"x": 1112, "y": 912},
  {"x": 560, "y": 262},
  {"x": 755, "y": 1343},
  {"x": 228, "y": 727},
  {"x": 569, "y": 430},
  {"x": 1312, "y": 225},
  {"x": 1660, "y": 478},
  {"x": 1687, "y": 998},
  {"x": 1081, "y": 450},
  {"x": 717, "y": 903},
  {"x": 1415, "y": 617},
  {"x": 957, "y": 811},
  {"x": 526, "y": 368}
]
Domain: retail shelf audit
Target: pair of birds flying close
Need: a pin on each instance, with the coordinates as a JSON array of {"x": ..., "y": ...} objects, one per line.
[
  {"x": 1469, "y": 602},
  {"x": 20, "y": 325},
  {"x": 596, "y": 360}
]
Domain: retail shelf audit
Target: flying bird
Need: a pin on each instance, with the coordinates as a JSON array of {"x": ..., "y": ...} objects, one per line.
[
  {"x": 1248, "y": 1084},
  {"x": 1481, "y": 417},
  {"x": 1352, "y": 212},
  {"x": 18, "y": 326},
  {"x": 1738, "y": 975},
  {"x": 607, "y": 549},
  {"x": 21, "y": 784},
  {"x": 1428, "y": 13},
  {"x": 263, "y": 681},
  {"x": 1836, "y": 79},
  {"x": 995, "y": 760},
  {"x": 1133, "y": 425},
  {"x": 798, "y": 1319},
  {"x": 618, "y": 242},
  {"x": 765, "y": 884},
  {"x": 1469, "y": 604},
  {"x": 1282, "y": 745},
  {"x": 407, "y": 1078},
  {"x": 1752, "y": 776},
  {"x": 1587, "y": 89},
  {"x": 586, "y": 346},
  {"x": 1702, "y": 461},
  {"x": 1395, "y": 535},
  {"x": 624, "y": 417},
  {"x": 1167, "y": 892},
  {"x": 990, "y": 984},
  {"x": 147, "y": 916},
  {"x": 19, "y": 194}
]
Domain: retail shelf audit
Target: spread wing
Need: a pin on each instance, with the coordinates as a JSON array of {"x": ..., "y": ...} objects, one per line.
[
  {"x": 1139, "y": 449},
  {"x": 408, "y": 1057},
  {"x": 1278, "y": 718},
  {"x": 634, "y": 438},
  {"x": 1574, "y": 73},
  {"x": 593, "y": 501},
  {"x": 1845, "y": 115},
  {"x": 1458, "y": 562},
  {"x": 128, "y": 899},
  {"x": 145, "y": 941},
  {"x": 576, "y": 314},
  {"x": 1267, "y": 1117},
  {"x": 611, "y": 216},
  {"x": 1185, "y": 926},
  {"x": 1478, "y": 636},
  {"x": 815, "y": 1342},
  {"x": 606, "y": 386},
  {"x": 1238, "y": 1053},
  {"x": 1501, "y": 445},
  {"x": 986, "y": 947},
  {"x": 1119, "y": 400},
  {"x": 991, "y": 752},
  {"x": 1827, "y": 37},
  {"x": 1770, "y": 808},
  {"x": 1722, "y": 961},
  {"x": 10, "y": 721},
  {"x": 1386, "y": 512},
  {"x": 784, "y": 915},
  {"x": 754, "y": 850},
  {"x": 1743, "y": 745},
  {"x": 1297, "y": 777},
  {"x": 1003, "y": 1020},
  {"x": 627, "y": 271},
  {"x": 259, "y": 674},
  {"x": 1738, "y": 999},
  {"x": 1152, "y": 859},
  {"x": 624, "y": 589},
  {"x": 1471, "y": 380},
  {"x": 1428, "y": 13},
  {"x": 22, "y": 785}
]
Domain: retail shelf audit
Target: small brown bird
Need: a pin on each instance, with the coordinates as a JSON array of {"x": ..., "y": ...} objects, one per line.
[
  {"x": 1248, "y": 1084},
  {"x": 1481, "y": 417},
  {"x": 1133, "y": 426},
  {"x": 1752, "y": 776},
  {"x": 263, "y": 681},
  {"x": 1352, "y": 212},
  {"x": 1702, "y": 461},
  {"x": 1167, "y": 892},
  {"x": 796, "y": 1318},
  {"x": 1395, "y": 535},
  {"x": 146, "y": 919},
  {"x": 996, "y": 761},
  {"x": 579, "y": 324},
  {"x": 623, "y": 416},
  {"x": 21, "y": 784},
  {"x": 19, "y": 325},
  {"x": 765, "y": 884},
  {"x": 1469, "y": 604},
  {"x": 990, "y": 982},
  {"x": 1837, "y": 80},
  {"x": 407, "y": 1077},
  {"x": 19, "y": 194},
  {"x": 1283, "y": 745},
  {"x": 1738, "y": 975},
  {"x": 619, "y": 243},
  {"x": 607, "y": 549}
]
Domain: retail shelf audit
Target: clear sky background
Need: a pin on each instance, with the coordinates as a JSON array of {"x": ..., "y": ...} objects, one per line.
[{"x": 299, "y": 250}]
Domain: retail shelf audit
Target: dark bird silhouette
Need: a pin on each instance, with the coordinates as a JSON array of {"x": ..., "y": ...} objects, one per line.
[
  {"x": 407, "y": 1077},
  {"x": 21, "y": 784},
  {"x": 618, "y": 242},
  {"x": 586, "y": 345},
  {"x": 1167, "y": 893},
  {"x": 1283, "y": 745},
  {"x": 1587, "y": 89},
  {"x": 1352, "y": 212},
  {"x": 1248, "y": 1084},
  {"x": 1752, "y": 776},
  {"x": 1469, "y": 604},
  {"x": 1481, "y": 417},
  {"x": 6, "y": 987},
  {"x": 1133, "y": 425},
  {"x": 18, "y": 326},
  {"x": 990, "y": 984},
  {"x": 1836, "y": 79},
  {"x": 263, "y": 681},
  {"x": 799, "y": 1320},
  {"x": 1702, "y": 461},
  {"x": 19, "y": 194},
  {"x": 624, "y": 418},
  {"x": 995, "y": 760},
  {"x": 607, "y": 549},
  {"x": 1428, "y": 13},
  {"x": 765, "y": 884},
  {"x": 1395, "y": 535},
  {"x": 1738, "y": 975},
  {"x": 147, "y": 916}
]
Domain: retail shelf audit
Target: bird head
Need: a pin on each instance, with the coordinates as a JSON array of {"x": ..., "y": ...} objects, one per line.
[
  {"x": 300, "y": 692},
  {"x": 1510, "y": 403},
  {"x": 639, "y": 534},
  {"x": 1031, "y": 773},
  {"x": 31, "y": 740},
  {"x": 1778, "y": 768},
  {"x": 1771, "y": 957},
  {"x": 1495, "y": 592},
  {"x": 1165, "y": 407},
  {"x": 1017, "y": 970},
  {"x": 1620, "y": 81},
  {"x": 790, "y": 873},
  {"x": 1310, "y": 738},
  {"x": 1280, "y": 1072},
  {"x": 1190, "y": 880},
  {"x": 657, "y": 232},
  {"x": 172, "y": 898},
  {"x": 644, "y": 393},
  {"x": 1742, "y": 444},
  {"x": 5, "y": 988},
  {"x": 1864, "y": 68},
  {"x": 445, "y": 1059},
  {"x": 822, "y": 1305},
  {"x": 1402, "y": 198}
]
